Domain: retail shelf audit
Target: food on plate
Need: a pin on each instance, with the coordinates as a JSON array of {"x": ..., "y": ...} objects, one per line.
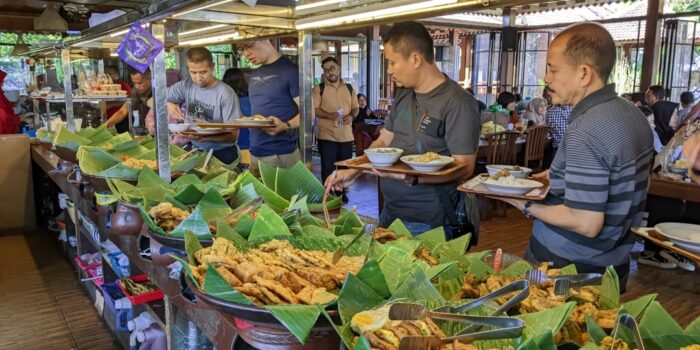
[
  {"x": 256, "y": 117},
  {"x": 515, "y": 168},
  {"x": 680, "y": 164},
  {"x": 383, "y": 235},
  {"x": 423, "y": 253},
  {"x": 426, "y": 157},
  {"x": 383, "y": 333},
  {"x": 276, "y": 272},
  {"x": 385, "y": 150},
  {"x": 505, "y": 178},
  {"x": 132, "y": 162},
  {"x": 137, "y": 288},
  {"x": 167, "y": 216},
  {"x": 542, "y": 298},
  {"x": 490, "y": 127},
  {"x": 618, "y": 344}
]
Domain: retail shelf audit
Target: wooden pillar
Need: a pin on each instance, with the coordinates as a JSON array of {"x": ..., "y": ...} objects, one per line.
[
  {"x": 650, "y": 60},
  {"x": 507, "y": 64},
  {"x": 466, "y": 46}
]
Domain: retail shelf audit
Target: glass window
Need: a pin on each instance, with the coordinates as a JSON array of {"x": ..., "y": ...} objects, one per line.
[
  {"x": 486, "y": 66},
  {"x": 532, "y": 63}
]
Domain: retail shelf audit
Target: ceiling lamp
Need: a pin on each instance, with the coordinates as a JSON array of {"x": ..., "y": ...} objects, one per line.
[
  {"x": 20, "y": 48},
  {"x": 50, "y": 21}
]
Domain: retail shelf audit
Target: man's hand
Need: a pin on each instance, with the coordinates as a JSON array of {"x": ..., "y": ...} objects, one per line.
[
  {"x": 347, "y": 120},
  {"x": 175, "y": 112},
  {"x": 541, "y": 176},
  {"x": 342, "y": 179},
  {"x": 108, "y": 123},
  {"x": 517, "y": 203},
  {"x": 279, "y": 127}
]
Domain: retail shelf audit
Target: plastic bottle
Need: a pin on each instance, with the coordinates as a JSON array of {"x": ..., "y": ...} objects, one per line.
[
  {"x": 339, "y": 121},
  {"x": 186, "y": 336},
  {"x": 152, "y": 338},
  {"x": 141, "y": 322}
]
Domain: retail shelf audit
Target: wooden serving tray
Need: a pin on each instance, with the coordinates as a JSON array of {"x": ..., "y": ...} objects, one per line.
[
  {"x": 363, "y": 163},
  {"x": 476, "y": 186},
  {"x": 194, "y": 133},
  {"x": 657, "y": 238},
  {"x": 238, "y": 125}
]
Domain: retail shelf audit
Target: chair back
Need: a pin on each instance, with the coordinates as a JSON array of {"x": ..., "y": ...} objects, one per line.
[
  {"x": 501, "y": 148},
  {"x": 536, "y": 144}
]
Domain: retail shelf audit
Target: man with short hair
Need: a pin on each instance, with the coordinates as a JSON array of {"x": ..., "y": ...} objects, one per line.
[
  {"x": 687, "y": 100},
  {"x": 273, "y": 91},
  {"x": 206, "y": 98},
  {"x": 431, "y": 113},
  {"x": 139, "y": 97},
  {"x": 663, "y": 110},
  {"x": 600, "y": 174},
  {"x": 334, "y": 131}
]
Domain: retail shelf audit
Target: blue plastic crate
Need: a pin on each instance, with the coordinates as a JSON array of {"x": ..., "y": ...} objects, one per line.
[{"x": 121, "y": 317}]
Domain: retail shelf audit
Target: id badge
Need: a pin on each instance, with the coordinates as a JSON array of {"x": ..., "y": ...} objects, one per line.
[{"x": 431, "y": 126}]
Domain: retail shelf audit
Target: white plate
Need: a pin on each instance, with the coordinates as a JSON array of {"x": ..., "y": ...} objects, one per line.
[
  {"x": 684, "y": 235},
  {"x": 434, "y": 165},
  {"x": 519, "y": 190},
  {"x": 173, "y": 127},
  {"x": 523, "y": 173},
  {"x": 208, "y": 131},
  {"x": 379, "y": 159}
]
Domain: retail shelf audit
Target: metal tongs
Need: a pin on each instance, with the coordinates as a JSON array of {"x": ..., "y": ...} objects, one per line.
[
  {"x": 630, "y": 323},
  {"x": 539, "y": 277},
  {"x": 506, "y": 327},
  {"x": 245, "y": 209},
  {"x": 521, "y": 287}
]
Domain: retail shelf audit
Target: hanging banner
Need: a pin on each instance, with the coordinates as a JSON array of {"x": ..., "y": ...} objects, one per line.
[{"x": 139, "y": 48}]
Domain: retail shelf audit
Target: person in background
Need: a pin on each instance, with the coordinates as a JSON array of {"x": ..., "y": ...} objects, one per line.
[
  {"x": 431, "y": 113},
  {"x": 687, "y": 100},
  {"x": 599, "y": 179},
  {"x": 506, "y": 100},
  {"x": 9, "y": 121},
  {"x": 537, "y": 111},
  {"x": 520, "y": 104},
  {"x": 482, "y": 106},
  {"x": 113, "y": 73},
  {"x": 365, "y": 112},
  {"x": 335, "y": 106},
  {"x": 139, "y": 97},
  {"x": 557, "y": 118},
  {"x": 639, "y": 100},
  {"x": 663, "y": 112},
  {"x": 207, "y": 99},
  {"x": 235, "y": 78},
  {"x": 274, "y": 93}
]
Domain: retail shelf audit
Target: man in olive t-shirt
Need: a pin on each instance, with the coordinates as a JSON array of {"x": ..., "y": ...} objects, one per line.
[{"x": 431, "y": 113}]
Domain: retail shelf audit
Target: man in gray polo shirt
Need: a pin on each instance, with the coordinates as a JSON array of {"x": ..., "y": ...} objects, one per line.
[
  {"x": 599, "y": 175},
  {"x": 431, "y": 113}
]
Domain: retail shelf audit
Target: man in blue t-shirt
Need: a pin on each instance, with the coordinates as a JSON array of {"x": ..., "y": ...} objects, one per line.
[{"x": 274, "y": 93}]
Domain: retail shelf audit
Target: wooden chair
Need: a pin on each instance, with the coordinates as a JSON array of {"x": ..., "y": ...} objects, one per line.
[
  {"x": 535, "y": 145},
  {"x": 501, "y": 148}
]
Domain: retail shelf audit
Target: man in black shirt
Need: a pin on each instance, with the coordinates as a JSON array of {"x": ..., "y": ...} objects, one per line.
[
  {"x": 663, "y": 112},
  {"x": 140, "y": 94}
]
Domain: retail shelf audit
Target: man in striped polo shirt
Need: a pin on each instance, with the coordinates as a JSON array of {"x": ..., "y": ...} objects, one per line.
[{"x": 600, "y": 174}]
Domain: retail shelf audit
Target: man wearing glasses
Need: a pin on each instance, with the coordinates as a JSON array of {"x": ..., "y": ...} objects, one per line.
[{"x": 335, "y": 106}]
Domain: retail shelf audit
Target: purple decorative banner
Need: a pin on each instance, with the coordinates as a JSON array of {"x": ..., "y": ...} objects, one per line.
[{"x": 139, "y": 48}]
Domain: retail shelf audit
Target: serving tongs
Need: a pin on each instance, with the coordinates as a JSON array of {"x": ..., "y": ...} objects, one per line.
[
  {"x": 505, "y": 327},
  {"x": 630, "y": 323},
  {"x": 521, "y": 288},
  {"x": 245, "y": 209},
  {"x": 539, "y": 277}
]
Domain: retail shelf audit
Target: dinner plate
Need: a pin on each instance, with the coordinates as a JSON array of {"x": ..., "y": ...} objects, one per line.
[
  {"x": 253, "y": 122},
  {"x": 433, "y": 165},
  {"x": 524, "y": 187},
  {"x": 683, "y": 235},
  {"x": 208, "y": 131},
  {"x": 520, "y": 174}
]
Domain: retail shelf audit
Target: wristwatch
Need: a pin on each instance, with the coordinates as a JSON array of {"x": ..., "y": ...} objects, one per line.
[
  {"x": 526, "y": 210},
  {"x": 414, "y": 180},
  {"x": 289, "y": 126}
]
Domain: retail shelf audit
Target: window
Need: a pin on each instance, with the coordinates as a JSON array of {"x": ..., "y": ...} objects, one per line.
[
  {"x": 532, "y": 63},
  {"x": 486, "y": 66},
  {"x": 680, "y": 67}
]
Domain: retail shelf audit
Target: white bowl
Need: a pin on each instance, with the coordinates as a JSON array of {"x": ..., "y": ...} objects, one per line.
[
  {"x": 381, "y": 158},
  {"x": 523, "y": 173},
  {"x": 524, "y": 187},
  {"x": 178, "y": 127},
  {"x": 433, "y": 165},
  {"x": 684, "y": 235}
]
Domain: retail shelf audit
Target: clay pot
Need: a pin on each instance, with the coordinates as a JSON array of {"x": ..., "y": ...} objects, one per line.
[
  {"x": 126, "y": 220},
  {"x": 265, "y": 337}
]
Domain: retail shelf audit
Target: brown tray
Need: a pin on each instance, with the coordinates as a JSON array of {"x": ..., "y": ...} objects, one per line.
[
  {"x": 664, "y": 242},
  {"x": 243, "y": 124},
  {"x": 474, "y": 185},
  {"x": 194, "y": 133},
  {"x": 363, "y": 163}
]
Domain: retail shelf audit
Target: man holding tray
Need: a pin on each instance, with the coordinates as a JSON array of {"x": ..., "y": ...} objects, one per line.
[
  {"x": 206, "y": 98},
  {"x": 600, "y": 174},
  {"x": 431, "y": 114}
]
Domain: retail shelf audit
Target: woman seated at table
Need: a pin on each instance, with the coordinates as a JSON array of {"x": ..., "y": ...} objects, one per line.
[
  {"x": 365, "y": 111},
  {"x": 537, "y": 111},
  {"x": 506, "y": 100}
]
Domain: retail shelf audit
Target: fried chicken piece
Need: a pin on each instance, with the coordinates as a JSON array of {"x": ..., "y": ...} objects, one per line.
[
  {"x": 411, "y": 328},
  {"x": 318, "y": 277},
  {"x": 388, "y": 336},
  {"x": 223, "y": 247},
  {"x": 246, "y": 271},
  {"x": 228, "y": 276},
  {"x": 198, "y": 274},
  {"x": 383, "y": 235},
  {"x": 162, "y": 209},
  {"x": 607, "y": 318},
  {"x": 618, "y": 344},
  {"x": 275, "y": 245},
  {"x": 284, "y": 293},
  {"x": 379, "y": 343},
  {"x": 423, "y": 254},
  {"x": 579, "y": 313},
  {"x": 199, "y": 255},
  {"x": 313, "y": 296},
  {"x": 218, "y": 261},
  {"x": 434, "y": 329},
  {"x": 253, "y": 291},
  {"x": 469, "y": 287},
  {"x": 458, "y": 346}
]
